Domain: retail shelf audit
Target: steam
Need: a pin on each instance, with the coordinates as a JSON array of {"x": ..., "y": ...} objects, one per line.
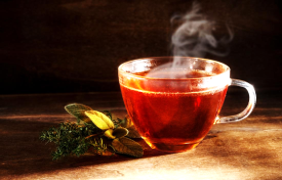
[{"x": 193, "y": 38}]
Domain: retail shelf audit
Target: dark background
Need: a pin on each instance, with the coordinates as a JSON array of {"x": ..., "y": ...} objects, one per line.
[{"x": 62, "y": 46}]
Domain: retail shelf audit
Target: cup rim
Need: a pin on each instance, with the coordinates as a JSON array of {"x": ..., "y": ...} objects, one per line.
[{"x": 120, "y": 70}]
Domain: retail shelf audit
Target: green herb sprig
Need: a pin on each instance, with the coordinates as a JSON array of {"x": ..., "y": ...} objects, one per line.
[{"x": 94, "y": 131}]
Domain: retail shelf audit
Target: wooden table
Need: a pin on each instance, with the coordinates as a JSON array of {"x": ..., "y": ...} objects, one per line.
[{"x": 251, "y": 149}]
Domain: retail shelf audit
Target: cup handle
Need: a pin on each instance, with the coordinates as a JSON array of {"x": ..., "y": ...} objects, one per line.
[{"x": 250, "y": 107}]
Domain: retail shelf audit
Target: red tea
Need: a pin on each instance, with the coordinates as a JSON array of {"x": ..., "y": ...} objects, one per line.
[{"x": 170, "y": 120}]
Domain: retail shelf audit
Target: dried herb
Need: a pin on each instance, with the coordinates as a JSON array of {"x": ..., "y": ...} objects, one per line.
[
  {"x": 94, "y": 131},
  {"x": 127, "y": 146}
]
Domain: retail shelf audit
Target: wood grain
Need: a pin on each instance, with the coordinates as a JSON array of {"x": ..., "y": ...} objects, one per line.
[{"x": 251, "y": 149}]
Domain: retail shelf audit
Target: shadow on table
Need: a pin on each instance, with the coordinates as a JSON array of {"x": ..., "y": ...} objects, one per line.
[{"x": 23, "y": 153}]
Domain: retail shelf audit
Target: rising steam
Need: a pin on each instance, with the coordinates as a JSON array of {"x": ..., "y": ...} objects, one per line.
[{"x": 193, "y": 38}]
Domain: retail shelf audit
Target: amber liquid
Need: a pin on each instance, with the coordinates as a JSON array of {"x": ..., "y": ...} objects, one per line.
[{"x": 173, "y": 121}]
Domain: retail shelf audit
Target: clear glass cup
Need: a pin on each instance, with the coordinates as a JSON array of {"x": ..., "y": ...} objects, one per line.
[{"x": 173, "y": 109}]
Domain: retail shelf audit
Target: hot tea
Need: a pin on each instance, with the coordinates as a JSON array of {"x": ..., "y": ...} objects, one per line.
[
  {"x": 172, "y": 120},
  {"x": 174, "y": 104}
]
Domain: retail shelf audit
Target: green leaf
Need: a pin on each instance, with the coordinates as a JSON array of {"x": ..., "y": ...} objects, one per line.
[
  {"x": 132, "y": 132},
  {"x": 77, "y": 110},
  {"x": 102, "y": 121},
  {"x": 120, "y": 132},
  {"x": 70, "y": 138},
  {"x": 128, "y": 124},
  {"x": 127, "y": 146}
]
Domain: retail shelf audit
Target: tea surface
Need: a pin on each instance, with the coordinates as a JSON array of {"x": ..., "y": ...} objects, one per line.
[{"x": 177, "y": 73}]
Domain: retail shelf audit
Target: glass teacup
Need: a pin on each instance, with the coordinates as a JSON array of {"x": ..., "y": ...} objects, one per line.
[{"x": 174, "y": 109}]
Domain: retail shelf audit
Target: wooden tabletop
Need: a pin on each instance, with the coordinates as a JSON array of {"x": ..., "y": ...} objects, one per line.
[{"x": 251, "y": 149}]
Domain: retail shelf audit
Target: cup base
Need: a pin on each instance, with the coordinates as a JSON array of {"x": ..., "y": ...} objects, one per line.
[{"x": 172, "y": 148}]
